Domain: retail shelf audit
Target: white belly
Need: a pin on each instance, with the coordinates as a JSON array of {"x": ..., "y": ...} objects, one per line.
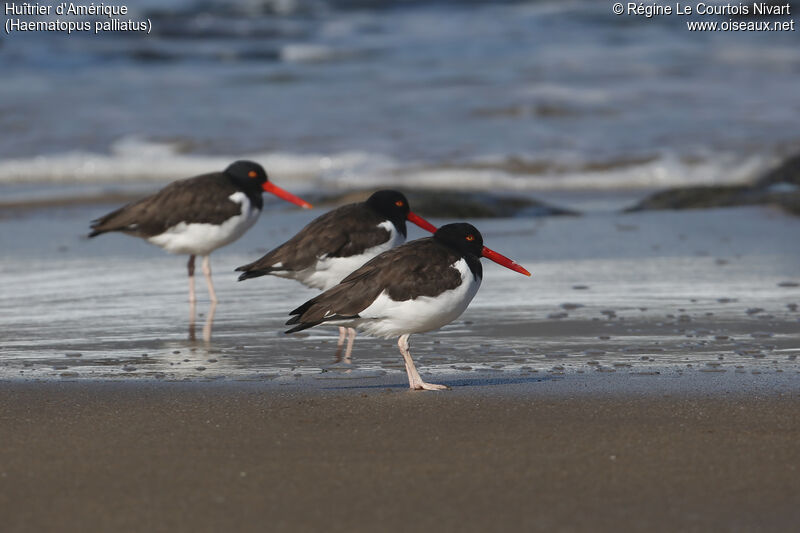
[
  {"x": 202, "y": 239},
  {"x": 329, "y": 271},
  {"x": 387, "y": 318}
]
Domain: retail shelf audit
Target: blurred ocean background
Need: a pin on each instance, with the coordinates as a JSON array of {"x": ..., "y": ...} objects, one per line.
[{"x": 354, "y": 93}]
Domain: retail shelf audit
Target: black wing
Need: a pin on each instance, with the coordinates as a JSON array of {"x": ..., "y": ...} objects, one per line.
[
  {"x": 420, "y": 268},
  {"x": 202, "y": 199},
  {"x": 346, "y": 231}
]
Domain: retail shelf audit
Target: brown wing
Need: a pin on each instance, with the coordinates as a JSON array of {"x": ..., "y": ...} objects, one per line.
[
  {"x": 202, "y": 199},
  {"x": 419, "y": 268},
  {"x": 346, "y": 231}
]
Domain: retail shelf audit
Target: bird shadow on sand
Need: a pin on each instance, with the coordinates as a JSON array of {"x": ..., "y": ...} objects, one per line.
[{"x": 457, "y": 383}]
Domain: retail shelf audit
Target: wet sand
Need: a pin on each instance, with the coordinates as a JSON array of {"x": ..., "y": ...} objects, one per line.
[
  {"x": 144, "y": 456},
  {"x": 709, "y": 291}
]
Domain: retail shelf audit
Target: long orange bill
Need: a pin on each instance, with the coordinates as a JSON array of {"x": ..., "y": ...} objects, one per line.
[
  {"x": 500, "y": 259},
  {"x": 285, "y": 195},
  {"x": 421, "y": 222}
]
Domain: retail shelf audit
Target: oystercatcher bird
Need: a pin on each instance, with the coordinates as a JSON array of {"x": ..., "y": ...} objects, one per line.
[
  {"x": 197, "y": 215},
  {"x": 416, "y": 287},
  {"x": 333, "y": 245}
]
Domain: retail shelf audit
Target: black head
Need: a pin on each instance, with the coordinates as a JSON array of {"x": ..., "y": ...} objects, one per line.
[
  {"x": 468, "y": 241},
  {"x": 464, "y": 238},
  {"x": 393, "y": 205},
  {"x": 252, "y": 179},
  {"x": 248, "y": 174}
]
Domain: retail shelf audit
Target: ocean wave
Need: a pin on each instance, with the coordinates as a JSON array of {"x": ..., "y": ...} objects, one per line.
[
  {"x": 134, "y": 160},
  {"x": 318, "y": 53}
]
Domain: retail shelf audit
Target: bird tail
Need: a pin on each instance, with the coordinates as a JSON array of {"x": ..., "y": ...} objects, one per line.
[
  {"x": 297, "y": 314},
  {"x": 297, "y": 317},
  {"x": 300, "y": 311},
  {"x": 300, "y": 327},
  {"x": 96, "y": 226},
  {"x": 258, "y": 268},
  {"x": 247, "y": 274},
  {"x": 118, "y": 220}
]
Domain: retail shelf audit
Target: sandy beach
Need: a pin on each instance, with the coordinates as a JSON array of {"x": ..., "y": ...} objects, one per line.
[{"x": 249, "y": 457}]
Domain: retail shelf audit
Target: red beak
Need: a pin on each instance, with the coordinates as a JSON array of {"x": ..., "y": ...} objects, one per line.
[
  {"x": 503, "y": 260},
  {"x": 285, "y": 195},
  {"x": 421, "y": 222}
]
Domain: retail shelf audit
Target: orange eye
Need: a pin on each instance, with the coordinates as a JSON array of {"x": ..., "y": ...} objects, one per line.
[
  {"x": 399, "y": 203},
  {"x": 470, "y": 237},
  {"x": 253, "y": 174}
]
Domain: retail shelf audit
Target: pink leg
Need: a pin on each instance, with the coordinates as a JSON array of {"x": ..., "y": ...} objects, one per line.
[
  {"x": 207, "y": 273},
  {"x": 414, "y": 381},
  {"x": 191, "y": 320},
  {"x": 342, "y": 334},
  {"x": 190, "y": 267},
  {"x": 351, "y": 338},
  {"x": 209, "y": 322}
]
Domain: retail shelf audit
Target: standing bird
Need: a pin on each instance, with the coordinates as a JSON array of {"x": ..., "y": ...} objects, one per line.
[
  {"x": 197, "y": 215},
  {"x": 417, "y": 287},
  {"x": 333, "y": 245}
]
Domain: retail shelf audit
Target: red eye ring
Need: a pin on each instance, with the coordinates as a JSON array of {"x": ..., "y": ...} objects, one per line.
[
  {"x": 253, "y": 174},
  {"x": 399, "y": 203},
  {"x": 470, "y": 237}
]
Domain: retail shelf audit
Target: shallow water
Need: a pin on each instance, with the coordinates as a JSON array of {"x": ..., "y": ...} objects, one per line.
[{"x": 642, "y": 294}]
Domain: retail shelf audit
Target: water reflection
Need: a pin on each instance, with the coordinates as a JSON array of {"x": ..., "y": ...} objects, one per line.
[{"x": 207, "y": 326}]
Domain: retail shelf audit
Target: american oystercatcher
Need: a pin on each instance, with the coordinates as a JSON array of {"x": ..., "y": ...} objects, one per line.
[
  {"x": 333, "y": 245},
  {"x": 416, "y": 287},
  {"x": 197, "y": 215}
]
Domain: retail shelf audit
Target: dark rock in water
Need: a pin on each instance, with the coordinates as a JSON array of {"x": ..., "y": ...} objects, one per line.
[
  {"x": 469, "y": 205},
  {"x": 780, "y": 186},
  {"x": 791, "y": 203},
  {"x": 722, "y": 196},
  {"x": 787, "y": 172},
  {"x": 695, "y": 198},
  {"x": 457, "y": 204}
]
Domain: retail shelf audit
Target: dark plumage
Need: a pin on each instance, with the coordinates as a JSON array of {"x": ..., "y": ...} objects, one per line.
[
  {"x": 338, "y": 242},
  {"x": 347, "y": 231},
  {"x": 197, "y": 215},
  {"x": 419, "y": 268},
  {"x": 417, "y": 287},
  {"x": 202, "y": 199}
]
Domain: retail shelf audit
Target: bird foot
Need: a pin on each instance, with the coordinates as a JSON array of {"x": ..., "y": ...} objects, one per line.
[{"x": 421, "y": 385}]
